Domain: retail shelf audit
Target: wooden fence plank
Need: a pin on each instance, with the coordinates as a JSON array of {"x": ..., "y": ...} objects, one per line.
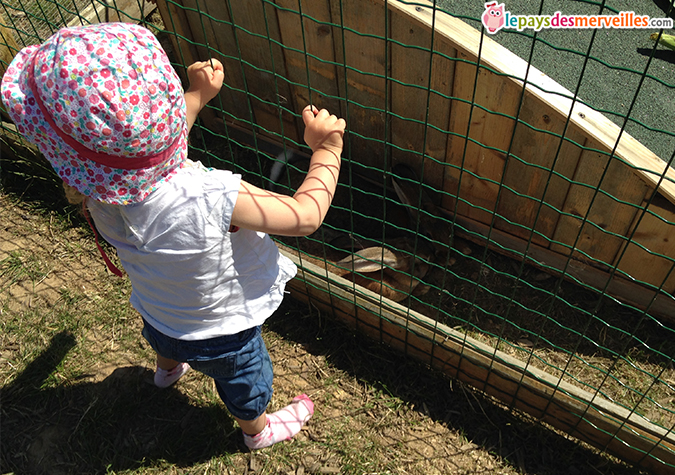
[
  {"x": 655, "y": 233},
  {"x": 542, "y": 154},
  {"x": 180, "y": 20},
  {"x": 477, "y": 169},
  {"x": 175, "y": 20},
  {"x": 360, "y": 47},
  {"x": 258, "y": 37},
  {"x": 128, "y": 11},
  {"x": 606, "y": 214},
  {"x": 586, "y": 416},
  {"x": 312, "y": 37},
  {"x": 8, "y": 48},
  {"x": 215, "y": 39},
  {"x": 418, "y": 83}
]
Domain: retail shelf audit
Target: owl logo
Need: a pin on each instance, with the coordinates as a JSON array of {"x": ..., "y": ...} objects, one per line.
[{"x": 493, "y": 17}]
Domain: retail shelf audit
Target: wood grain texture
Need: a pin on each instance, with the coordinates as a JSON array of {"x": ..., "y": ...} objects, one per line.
[{"x": 556, "y": 401}]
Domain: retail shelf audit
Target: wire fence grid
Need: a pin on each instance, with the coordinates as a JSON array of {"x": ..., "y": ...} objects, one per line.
[{"x": 574, "y": 297}]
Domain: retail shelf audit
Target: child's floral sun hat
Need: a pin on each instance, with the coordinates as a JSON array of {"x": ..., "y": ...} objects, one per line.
[{"x": 104, "y": 105}]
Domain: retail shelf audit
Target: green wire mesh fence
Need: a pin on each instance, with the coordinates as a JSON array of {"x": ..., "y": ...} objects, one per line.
[{"x": 489, "y": 221}]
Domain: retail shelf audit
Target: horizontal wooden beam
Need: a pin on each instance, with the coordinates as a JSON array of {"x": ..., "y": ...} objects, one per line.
[{"x": 580, "y": 413}]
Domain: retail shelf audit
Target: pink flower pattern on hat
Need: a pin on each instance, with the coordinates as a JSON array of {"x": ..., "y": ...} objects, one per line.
[{"x": 112, "y": 89}]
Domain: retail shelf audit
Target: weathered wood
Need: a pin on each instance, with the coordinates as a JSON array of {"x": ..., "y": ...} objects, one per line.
[
  {"x": 177, "y": 20},
  {"x": 654, "y": 235},
  {"x": 608, "y": 212},
  {"x": 128, "y": 11},
  {"x": 628, "y": 180},
  {"x": 587, "y": 416},
  {"x": 309, "y": 55},
  {"x": 359, "y": 47},
  {"x": 659, "y": 303},
  {"x": 422, "y": 74},
  {"x": 477, "y": 168},
  {"x": 8, "y": 48},
  {"x": 533, "y": 194},
  {"x": 644, "y": 163},
  {"x": 258, "y": 45},
  {"x": 213, "y": 36}
]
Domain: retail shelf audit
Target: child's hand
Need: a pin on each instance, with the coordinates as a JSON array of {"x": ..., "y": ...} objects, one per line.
[
  {"x": 323, "y": 130},
  {"x": 302, "y": 213},
  {"x": 206, "y": 81}
]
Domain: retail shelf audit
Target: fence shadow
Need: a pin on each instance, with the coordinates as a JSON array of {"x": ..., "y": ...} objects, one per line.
[{"x": 523, "y": 442}]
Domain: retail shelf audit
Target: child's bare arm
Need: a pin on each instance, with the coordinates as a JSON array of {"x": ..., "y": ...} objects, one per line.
[
  {"x": 205, "y": 82},
  {"x": 302, "y": 213}
]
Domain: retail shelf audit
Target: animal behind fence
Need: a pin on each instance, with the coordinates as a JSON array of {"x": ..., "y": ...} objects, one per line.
[{"x": 569, "y": 261}]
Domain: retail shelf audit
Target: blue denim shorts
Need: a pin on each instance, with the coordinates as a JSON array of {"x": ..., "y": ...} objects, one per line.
[{"x": 239, "y": 364}]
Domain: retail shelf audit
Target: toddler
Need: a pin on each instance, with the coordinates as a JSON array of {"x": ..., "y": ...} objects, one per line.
[{"x": 105, "y": 107}]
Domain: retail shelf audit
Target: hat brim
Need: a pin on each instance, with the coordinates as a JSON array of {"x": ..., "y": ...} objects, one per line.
[{"x": 102, "y": 183}]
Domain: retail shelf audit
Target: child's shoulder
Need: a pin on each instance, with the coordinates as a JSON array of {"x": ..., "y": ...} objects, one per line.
[
  {"x": 194, "y": 178},
  {"x": 195, "y": 166}
]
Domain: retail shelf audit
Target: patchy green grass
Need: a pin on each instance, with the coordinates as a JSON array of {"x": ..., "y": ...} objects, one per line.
[{"x": 77, "y": 392}]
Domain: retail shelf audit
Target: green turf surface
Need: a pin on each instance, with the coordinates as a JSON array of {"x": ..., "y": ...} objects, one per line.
[{"x": 601, "y": 86}]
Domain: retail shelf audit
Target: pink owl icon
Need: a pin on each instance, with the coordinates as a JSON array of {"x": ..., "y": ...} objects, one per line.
[{"x": 493, "y": 17}]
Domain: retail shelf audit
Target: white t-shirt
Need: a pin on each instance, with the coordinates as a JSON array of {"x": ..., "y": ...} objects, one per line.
[{"x": 191, "y": 278}]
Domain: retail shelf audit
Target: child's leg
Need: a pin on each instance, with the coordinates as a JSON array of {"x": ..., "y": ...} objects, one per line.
[
  {"x": 268, "y": 429},
  {"x": 253, "y": 427},
  {"x": 169, "y": 371},
  {"x": 166, "y": 363}
]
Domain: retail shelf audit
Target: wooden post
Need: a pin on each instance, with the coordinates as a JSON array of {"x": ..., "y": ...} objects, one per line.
[
  {"x": 128, "y": 11},
  {"x": 8, "y": 48}
]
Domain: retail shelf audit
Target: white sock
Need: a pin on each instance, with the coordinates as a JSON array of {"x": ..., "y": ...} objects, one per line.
[
  {"x": 283, "y": 424},
  {"x": 166, "y": 377}
]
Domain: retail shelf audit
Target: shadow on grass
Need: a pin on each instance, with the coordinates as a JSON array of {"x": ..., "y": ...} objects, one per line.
[
  {"x": 524, "y": 443},
  {"x": 123, "y": 423},
  {"x": 119, "y": 423}
]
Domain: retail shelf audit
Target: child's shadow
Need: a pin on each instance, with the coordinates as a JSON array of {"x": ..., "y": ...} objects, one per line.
[{"x": 122, "y": 422}]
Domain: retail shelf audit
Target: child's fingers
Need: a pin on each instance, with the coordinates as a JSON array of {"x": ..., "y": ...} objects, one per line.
[
  {"x": 308, "y": 114},
  {"x": 217, "y": 65},
  {"x": 323, "y": 114},
  {"x": 334, "y": 122},
  {"x": 209, "y": 66},
  {"x": 192, "y": 67},
  {"x": 218, "y": 76}
]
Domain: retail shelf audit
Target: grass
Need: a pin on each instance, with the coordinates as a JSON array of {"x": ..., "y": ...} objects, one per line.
[
  {"x": 16, "y": 268},
  {"x": 78, "y": 398}
]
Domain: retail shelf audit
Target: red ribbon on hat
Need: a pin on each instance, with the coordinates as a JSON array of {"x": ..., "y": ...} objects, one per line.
[
  {"x": 111, "y": 267},
  {"x": 112, "y": 161}
]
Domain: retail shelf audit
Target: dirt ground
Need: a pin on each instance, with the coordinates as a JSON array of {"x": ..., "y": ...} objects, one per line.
[
  {"x": 78, "y": 398},
  {"x": 77, "y": 393}
]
